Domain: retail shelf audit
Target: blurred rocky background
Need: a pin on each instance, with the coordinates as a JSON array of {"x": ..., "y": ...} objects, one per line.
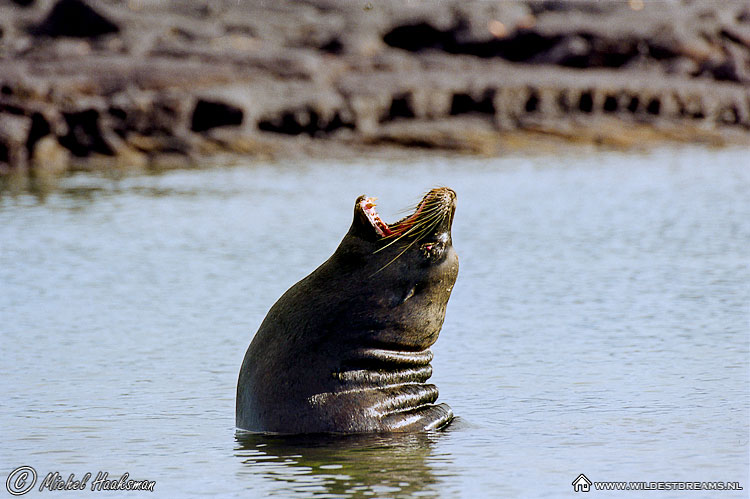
[{"x": 90, "y": 84}]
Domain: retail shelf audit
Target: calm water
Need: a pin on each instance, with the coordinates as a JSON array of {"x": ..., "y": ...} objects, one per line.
[{"x": 599, "y": 325}]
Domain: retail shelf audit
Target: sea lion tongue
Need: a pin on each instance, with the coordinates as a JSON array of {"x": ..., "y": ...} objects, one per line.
[{"x": 347, "y": 348}]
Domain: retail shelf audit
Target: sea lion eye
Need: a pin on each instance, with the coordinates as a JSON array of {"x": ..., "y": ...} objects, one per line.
[{"x": 432, "y": 250}]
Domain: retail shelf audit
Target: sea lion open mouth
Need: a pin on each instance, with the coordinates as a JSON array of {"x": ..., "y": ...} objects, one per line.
[
  {"x": 347, "y": 349},
  {"x": 430, "y": 211},
  {"x": 397, "y": 228}
]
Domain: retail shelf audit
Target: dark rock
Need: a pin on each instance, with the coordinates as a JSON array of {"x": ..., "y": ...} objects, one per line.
[
  {"x": 304, "y": 121},
  {"x": 208, "y": 115},
  {"x": 420, "y": 36},
  {"x": 149, "y": 113},
  {"x": 40, "y": 127},
  {"x": 85, "y": 135},
  {"x": 466, "y": 104},
  {"x": 333, "y": 46},
  {"x": 401, "y": 107},
  {"x": 523, "y": 45},
  {"x": 74, "y": 18}
]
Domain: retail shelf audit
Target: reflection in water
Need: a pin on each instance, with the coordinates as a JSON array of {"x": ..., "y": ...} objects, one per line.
[
  {"x": 341, "y": 465},
  {"x": 85, "y": 189},
  {"x": 18, "y": 183}
]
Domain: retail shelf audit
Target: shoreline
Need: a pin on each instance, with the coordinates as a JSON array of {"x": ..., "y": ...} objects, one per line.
[{"x": 147, "y": 86}]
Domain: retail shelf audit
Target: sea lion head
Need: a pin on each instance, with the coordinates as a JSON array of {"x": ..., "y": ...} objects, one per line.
[{"x": 403, "y": 273}]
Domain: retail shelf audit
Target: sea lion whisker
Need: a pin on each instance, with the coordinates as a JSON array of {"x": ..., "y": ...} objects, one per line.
[
  {"x": 397, "y": 238},
  {"x": 419, "y": 221},
  {"x": 425, "y": 230},
  {"x": 429, "y": 227},
  {"x": 419, "y": 214},
  {"x": 425, "y": 206},
  {"x": 408, "y": 232},
  {"x": 428, "y": 222},
  {"x": 394, "y": 259}
]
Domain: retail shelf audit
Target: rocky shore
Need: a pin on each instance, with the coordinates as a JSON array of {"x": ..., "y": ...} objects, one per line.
[{"x": 90, "y": 84}]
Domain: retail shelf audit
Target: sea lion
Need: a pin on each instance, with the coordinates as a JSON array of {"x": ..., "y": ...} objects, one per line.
[{"x": 347, "y": 348}]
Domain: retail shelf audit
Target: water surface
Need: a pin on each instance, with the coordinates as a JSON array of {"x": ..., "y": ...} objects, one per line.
[{"x": 599, "y": 325}]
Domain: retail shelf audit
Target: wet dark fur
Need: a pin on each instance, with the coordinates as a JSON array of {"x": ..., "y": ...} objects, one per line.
[{"x": 346, "y": 349}]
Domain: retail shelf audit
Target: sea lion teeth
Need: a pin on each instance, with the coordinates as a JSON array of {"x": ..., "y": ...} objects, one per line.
[{"x": 368, "y": 206}]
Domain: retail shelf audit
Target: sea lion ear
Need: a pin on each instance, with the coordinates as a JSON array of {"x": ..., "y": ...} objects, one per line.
[{"x": 361, "y": 225}]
